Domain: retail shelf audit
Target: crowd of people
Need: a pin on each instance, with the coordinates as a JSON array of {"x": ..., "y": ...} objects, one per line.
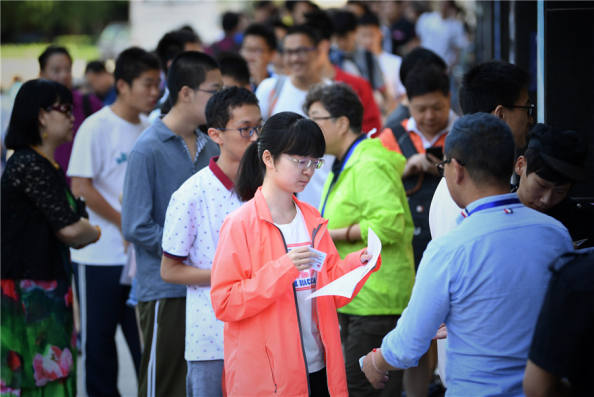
[{"x": 200, "y": 194}]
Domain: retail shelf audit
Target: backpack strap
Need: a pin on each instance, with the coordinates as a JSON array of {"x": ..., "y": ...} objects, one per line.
[
  {"x": 275, "y": 94},
  {"x": 370, "y": 68},
  {"x": 406, "y": 144}
]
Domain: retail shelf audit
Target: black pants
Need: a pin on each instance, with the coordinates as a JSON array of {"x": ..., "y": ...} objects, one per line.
[
  {"x": 360, "y": 334},
  {"x": 318, "y": 384},
  {"x": 103, "y": 306}
]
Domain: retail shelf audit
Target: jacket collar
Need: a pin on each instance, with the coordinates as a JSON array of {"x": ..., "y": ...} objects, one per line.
[{"x": 312, "y": 217}]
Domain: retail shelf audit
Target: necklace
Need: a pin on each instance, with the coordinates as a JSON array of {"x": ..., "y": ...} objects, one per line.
[{"x": 39, "y": 152}]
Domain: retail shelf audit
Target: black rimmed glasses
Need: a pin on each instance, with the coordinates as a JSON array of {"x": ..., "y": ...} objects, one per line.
[
  {"x": 245, "y": 132},
  {"x": 441, "y": 165},
  {"x": 531, "y": 109},
  {"x": 314, "y": 164},
  {"x": 65, "y": 108}
]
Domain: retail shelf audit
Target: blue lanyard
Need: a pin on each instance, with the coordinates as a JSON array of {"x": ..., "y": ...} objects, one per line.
[
  {"x": 492, "y": 204},
  {"x": 344, "y": 161}
]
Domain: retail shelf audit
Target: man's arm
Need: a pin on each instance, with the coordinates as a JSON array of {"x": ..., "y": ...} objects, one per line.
[
  {"x": 541, "y": 383},
  {"x": 428, "y": 307},
  {"x": 83, "y": 187}
]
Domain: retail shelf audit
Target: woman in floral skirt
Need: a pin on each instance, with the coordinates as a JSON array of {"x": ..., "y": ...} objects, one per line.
[{"x": 40, "y": 220}]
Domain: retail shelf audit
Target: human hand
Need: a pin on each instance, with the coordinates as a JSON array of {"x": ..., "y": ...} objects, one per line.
[
  {"x": 365, "y": 257},
  {"x": 442, "y": 332},
  {"x": 374, "y": 375},
  {"x": 302, "y": 258},
  {"x": 419, "y": 163}
]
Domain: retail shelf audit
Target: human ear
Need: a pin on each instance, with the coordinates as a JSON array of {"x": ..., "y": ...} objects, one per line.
[
  {"x": 42, "y": 117},
  {"x": 499, "y": 112},
  {"x": 122, "y": 86},
  {"x": 459, "y": 172},
  {"x": 267, "y": 159},
  {"x": 215, "y": 135},
  {"x": 520, "y": 165}
]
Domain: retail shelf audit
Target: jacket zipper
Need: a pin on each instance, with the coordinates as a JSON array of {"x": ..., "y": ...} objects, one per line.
[
  {"x": 298, "y": 319},
  {"x": 271, "y": 369}
]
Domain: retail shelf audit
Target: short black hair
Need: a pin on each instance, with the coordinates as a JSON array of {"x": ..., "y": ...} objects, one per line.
[
  {"x": 320, "y": 21},
  {"x": 553, "y": 154},
  {"x": 172, "y": 43},
  {"x": 132, "y": 62},
  {"x": 235, "y": 66},
  {"x": 485, "y": 145},
  {"x": 369, "y": 18},
  {"x": 344, "y": 21},
  {"x": 339, "y": 100},
  {"x": 426, "y": 79},
  {"x": 263, "y": 31},
  {"x": 95, "y": 66},
  {"x": 34, "y": 95},
  {"x": 189, "y": 68},
  {"x": 48, "y": 52},
  {"x": 220, "y": 105},
  {"x": 420, "y": 57},
  {"x": 490, "y": 84},
  {"x": 230, "y": 21},
  {"x": 306, "y": 30}
]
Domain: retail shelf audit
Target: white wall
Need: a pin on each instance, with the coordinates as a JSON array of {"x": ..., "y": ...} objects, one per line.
[{"x": 151, "y": 19}]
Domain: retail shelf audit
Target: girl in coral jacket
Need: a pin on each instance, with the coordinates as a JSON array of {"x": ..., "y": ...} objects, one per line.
[{"x": 276, "y": 341}]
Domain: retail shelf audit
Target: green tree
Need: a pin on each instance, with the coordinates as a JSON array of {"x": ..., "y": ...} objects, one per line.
[{"x": 26, "y": 21}]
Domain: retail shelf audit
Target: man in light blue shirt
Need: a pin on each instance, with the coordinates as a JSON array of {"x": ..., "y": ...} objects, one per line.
[{"x": 485, "y": 280}]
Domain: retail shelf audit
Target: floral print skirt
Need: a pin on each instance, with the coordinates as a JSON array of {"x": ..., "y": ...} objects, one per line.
[{"x": 38, "y": 345}]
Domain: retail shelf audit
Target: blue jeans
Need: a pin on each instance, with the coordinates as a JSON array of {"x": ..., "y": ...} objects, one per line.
[{"x": 204, "y": 378}]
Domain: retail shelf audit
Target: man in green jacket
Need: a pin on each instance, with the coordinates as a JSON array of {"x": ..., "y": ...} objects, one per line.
[{"x": 365, "y": 190}]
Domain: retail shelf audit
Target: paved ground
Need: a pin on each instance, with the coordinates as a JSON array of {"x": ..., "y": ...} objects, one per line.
[{"x": 127, "y": 376}]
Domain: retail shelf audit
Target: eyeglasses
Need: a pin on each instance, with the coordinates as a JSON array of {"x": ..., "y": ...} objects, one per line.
[
  {"x": 245, "y": 132},
  {"x": 322, "y": 118},
  {"x": 299, "y": 51},
  {"x": 314, "y": 164},
  {"x": 530, "y": 108},
  {"x": 65, "y": 108},
  {"x": 441, "y": 165}
]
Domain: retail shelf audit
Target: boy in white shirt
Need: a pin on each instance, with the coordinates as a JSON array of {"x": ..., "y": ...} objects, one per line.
[
  {"x": 190, "y": 235},
  {"x": 97, "y": 168}
]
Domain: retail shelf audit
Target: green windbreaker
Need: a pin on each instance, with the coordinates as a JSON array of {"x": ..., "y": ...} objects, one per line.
[{"x": 369, "y": 192}]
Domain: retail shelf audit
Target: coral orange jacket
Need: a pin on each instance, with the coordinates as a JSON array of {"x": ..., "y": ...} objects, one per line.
[{"x": 252, "y": 292}]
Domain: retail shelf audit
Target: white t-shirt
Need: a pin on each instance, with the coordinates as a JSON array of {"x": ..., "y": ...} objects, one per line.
[
  {"x": 100, "y": 152},
  {"x": 443, "y": 211},
  {"x": 442, "y": 36},
  {"x": 194, "y": 218},
  {"x": 291, "y": 99},
  {"x": 390, "y": 65},
  {"x": 296, "y": 235}
]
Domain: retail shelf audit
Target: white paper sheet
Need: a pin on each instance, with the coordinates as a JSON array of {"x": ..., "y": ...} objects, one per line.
[{"x": 345, "y": 285}]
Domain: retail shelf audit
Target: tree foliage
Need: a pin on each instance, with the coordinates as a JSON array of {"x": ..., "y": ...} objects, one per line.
[{"x": 27, "y": 21}]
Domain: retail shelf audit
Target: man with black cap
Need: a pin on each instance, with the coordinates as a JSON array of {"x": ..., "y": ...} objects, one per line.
[{"x": 551, "y": 164}]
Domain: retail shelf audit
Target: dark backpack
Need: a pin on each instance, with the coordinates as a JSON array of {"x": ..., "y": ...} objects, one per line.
[{"x": 419, "y": 190}]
